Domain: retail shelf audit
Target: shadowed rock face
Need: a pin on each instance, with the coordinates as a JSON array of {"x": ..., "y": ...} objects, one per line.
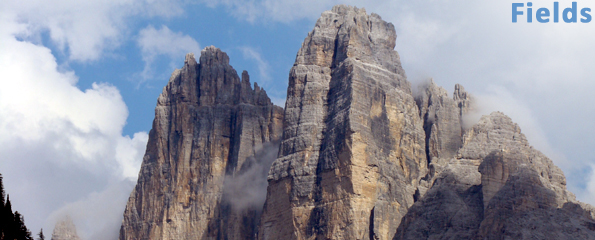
[
  {"x": 208, "y": 124},
  {"x": 498, "y": 187}
]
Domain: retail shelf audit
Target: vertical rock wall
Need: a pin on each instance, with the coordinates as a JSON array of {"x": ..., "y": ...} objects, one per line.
[
  {"x": 359, "y": 157},
  {"x": 353, "y": 147},
  {"x": 207, "y": 123}
]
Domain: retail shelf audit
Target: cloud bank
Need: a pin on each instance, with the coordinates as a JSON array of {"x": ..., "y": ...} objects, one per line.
[{"x": 61, "y": 148}]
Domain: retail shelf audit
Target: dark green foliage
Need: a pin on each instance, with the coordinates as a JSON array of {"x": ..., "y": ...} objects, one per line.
[
  {"x": 1, "y": 192},
  {"x": 12, "y": 225},
  {"x": 40, "y": 234}
]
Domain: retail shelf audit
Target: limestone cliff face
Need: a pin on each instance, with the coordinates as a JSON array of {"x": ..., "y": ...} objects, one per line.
[
  {"x": 208, "y": 126},
  {"x": 358, "y": 155},
  {"x": 361, "y": 158},
  {"x": 353, "y": 148}
]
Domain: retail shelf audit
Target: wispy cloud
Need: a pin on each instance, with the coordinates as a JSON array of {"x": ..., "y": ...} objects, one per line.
[
  {"x": 160, "y": 42},
  {"x": 84, "y": 30},
  {"x": 263, "y": 66}
]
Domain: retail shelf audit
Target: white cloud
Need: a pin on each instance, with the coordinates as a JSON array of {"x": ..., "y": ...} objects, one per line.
[
  {"x": 163, "y": 42},
  {"x": 59, "y": 144},
  {"x": 64, "y": 147},
  {"x": 84, "y": 29},
  {"x": 263, "y": 66}
]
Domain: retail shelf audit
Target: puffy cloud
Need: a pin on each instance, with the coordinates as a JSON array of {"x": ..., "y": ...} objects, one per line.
[
  {"x": 64, "y": 146},
  {"x": 59, "y": 144},
  {"x": 84, "y": 29},
  {"x": 163, "y": 42}
]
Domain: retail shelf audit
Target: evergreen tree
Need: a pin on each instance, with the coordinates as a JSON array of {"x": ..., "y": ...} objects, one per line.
[
  {"x": 40, "y": 234},
  {"x": 3, "y": 221},
  {"x": 8, "y": 219},
  {"x": 22, "y": 233},
  {"x": 12, "y": 225},
  {"x": 7, "y": 214},
  {"x": 1, "y": 192}
]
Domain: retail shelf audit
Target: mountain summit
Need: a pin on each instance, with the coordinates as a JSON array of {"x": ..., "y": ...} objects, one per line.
[
  {"x": 208, "y": 126},
  {"x": 355, "y": 154}
]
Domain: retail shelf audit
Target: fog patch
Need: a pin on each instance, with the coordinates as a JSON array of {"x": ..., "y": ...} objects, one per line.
[
  {"x": 99, "y": 215},
  {"x": 247, "y": 189}
]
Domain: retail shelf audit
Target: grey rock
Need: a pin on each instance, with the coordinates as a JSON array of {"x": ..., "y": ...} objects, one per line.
[
  {"x": 208, "y": 125},
  {"x": 65, "y": 230},
  {"x": 519, "y": 204},
  {"x": 354, "y": 155},
  {"x": 442, "y": 120},
  {"x": 464, "y": 100},
  {"x": 443, "y": 126},
  {"x": 498, "y": 187},
  {"x": 353, "y": 148}
]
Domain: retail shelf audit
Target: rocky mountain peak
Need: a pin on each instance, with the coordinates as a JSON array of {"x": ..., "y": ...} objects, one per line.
[
  {"x": 208, "y": 129},
  {"x": 359, "y": 155},
  {"x": 190, "y": 60},
  {"x": 442, "y": 120},
  {"x": 493, "y": 132},
  {"x": 65, "y": 230},
  {"x": 352, "y": 151},
  {"x": 497, "y": 187},
  {"x": 349, "y": 33},
  {"x": 213, "y": 56}
]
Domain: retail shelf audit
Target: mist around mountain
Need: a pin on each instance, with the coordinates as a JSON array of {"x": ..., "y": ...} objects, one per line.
[{"x": 356, "y": 153}]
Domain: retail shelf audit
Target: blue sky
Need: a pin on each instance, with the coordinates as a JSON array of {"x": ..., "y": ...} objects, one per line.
[
  {"x": 274, "y": 43},
  {"x": 79, "y": 82}
]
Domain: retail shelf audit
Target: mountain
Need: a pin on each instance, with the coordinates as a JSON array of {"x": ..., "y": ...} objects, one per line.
[
  {"x": 65, "y": 230},
  {"x": 208, "y": 127},
  {"x": 355, "y": 154},
  {"x": 352, "y": 153}
]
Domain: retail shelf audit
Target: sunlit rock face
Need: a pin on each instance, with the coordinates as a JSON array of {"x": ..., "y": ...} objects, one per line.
[
  {"x": 209, "y": 124},
  {"x": 353, "y": 148},
  {"x": 355, "y": 154}
]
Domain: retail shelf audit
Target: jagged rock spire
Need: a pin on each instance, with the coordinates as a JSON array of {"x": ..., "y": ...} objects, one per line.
[
  {"x": 207, "y": 125},
  {"x": 353, "y": 146},
  {"x": 65, "y": 230}
]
